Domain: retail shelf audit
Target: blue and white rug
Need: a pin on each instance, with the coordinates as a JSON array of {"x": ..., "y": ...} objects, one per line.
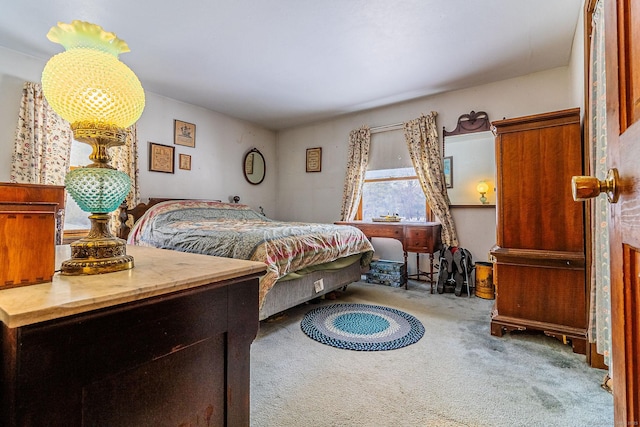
[{"x": 362, "y": 327}]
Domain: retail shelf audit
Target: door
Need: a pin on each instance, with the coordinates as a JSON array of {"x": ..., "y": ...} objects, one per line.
[{"x": 622, "y": 39}]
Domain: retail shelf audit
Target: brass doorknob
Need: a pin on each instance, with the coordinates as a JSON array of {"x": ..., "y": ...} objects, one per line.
[{"x": 586, "y": 187}]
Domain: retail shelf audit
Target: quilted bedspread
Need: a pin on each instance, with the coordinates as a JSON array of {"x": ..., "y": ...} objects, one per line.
[{"x": 237, "y": 231}]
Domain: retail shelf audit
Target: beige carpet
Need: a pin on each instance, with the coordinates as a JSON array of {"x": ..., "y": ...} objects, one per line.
[{"x": 456, "y": 375}]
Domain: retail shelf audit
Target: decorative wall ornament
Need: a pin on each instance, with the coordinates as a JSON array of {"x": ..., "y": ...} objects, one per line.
[
  {"x": 468, "y": 123},
  {"x": 160, "y": 158},
  {"x": 185, "y": 162},
  {"x": 184, "y": 133},
  {"x": 314, "y": 159}
]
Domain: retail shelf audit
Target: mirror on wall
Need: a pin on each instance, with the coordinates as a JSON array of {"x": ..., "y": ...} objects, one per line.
[
  {"x": 469, "y": 151},
  {"x": 254, "y": 167}
]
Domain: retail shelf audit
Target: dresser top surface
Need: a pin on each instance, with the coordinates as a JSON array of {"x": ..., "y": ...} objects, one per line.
[{"x": 157, "y": 272}]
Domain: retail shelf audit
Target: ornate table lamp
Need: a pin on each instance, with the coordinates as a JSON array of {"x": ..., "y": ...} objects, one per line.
[{"x": 100, "y": 96}]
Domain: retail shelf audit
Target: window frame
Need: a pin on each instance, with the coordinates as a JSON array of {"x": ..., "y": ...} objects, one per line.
[{"x": 427, "y": 208}]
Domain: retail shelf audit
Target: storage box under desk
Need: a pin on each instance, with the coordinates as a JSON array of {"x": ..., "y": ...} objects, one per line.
[
  {"x": 390, "y": 273},
  {"x": 27, "y": 243}
]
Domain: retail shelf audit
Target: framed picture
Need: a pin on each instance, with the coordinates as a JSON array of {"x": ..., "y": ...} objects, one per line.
[
  {"x": 314, "y": 159},
  {"x": 185, "y": 162},
  {"x": 447, "y": 168},
  {"x": 184, "y": 133},
  {"x": 160, "y": 158}
]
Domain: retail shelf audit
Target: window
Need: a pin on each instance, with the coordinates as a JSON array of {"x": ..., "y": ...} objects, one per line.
[
  {"x": 393, "y": 191},
  {"x": 76, "y": 221}
]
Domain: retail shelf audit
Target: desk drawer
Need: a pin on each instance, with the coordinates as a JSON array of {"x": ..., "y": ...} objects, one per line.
[
  {"x": 419, "y": 240},
  {"x": 374, "y": 230}
]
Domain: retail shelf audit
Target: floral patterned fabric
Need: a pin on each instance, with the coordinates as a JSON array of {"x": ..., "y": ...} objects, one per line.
[
  {"x": 600, "y": 312},
  {"x": 424, "y": 149},
  {"x": 236, "y": 231},
  {"x": 42, "y": 144},
  {"x": 125, "y": 158},
  {"x": 357, "y": 161}
]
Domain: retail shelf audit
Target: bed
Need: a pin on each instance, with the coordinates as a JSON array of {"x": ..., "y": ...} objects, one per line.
[{"x": 298, "y": 255}]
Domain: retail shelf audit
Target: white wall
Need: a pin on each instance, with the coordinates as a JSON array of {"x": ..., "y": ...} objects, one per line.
[
  {"x": 216, "y": 160},
  {"x": 317, "y": 196},
  {"x": 576, "y": 65}
]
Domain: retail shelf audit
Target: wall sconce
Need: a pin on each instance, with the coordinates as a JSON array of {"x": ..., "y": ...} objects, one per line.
[
  {"x": 100, "y": 96},
  {"x": 482, "y": 188}
]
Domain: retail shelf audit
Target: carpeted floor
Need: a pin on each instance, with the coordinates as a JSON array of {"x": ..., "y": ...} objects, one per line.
[{"x": 456, "y": 375}]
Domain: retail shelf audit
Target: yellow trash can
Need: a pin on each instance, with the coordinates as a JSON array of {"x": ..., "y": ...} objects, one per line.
[{"x": 484, "y": 280}]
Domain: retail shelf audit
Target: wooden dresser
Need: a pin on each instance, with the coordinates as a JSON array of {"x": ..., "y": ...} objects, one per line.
[
  {"x": 164, "y": 344},
  {"x": 539, "y": 269}
]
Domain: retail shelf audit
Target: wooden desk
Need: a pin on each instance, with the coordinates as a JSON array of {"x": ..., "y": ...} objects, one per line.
[
  {"x": 163, "y": 344},
  {"x": 418, "y": 237}
]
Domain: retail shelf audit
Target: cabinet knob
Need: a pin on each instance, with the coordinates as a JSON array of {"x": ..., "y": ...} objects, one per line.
[{"x": 587, "y": 187}]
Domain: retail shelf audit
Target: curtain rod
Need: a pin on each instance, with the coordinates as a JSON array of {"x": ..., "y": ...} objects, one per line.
[{"x": 387, "y": 128}]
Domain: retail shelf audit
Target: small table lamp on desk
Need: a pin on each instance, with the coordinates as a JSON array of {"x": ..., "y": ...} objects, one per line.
[{"x": 418, "y": 237}]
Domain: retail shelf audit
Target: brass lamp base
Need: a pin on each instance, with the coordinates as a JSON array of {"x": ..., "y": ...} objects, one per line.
[{"x": 100, "y": 252}]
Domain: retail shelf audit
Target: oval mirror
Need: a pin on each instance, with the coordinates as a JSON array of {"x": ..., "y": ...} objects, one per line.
[{"x": 254, "y": 167}]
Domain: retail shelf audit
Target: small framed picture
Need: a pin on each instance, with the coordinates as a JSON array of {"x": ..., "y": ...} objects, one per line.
[
  {"x": 185, "y": 162},
  {"x": 160, "y": 158},
  {"x": 447, "y": 168},
  {"x": 314, "y": 159},
  {"x": 184, "y": 133}
]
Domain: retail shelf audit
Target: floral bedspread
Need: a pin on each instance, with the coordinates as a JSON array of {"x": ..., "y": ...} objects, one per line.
[{"x": 237, "y": 231}]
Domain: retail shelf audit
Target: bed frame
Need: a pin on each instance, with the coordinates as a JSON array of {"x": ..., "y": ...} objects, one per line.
[{"x": 283, "y": 295}]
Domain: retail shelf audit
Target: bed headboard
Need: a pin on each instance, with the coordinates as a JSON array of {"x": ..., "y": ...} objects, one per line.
[{"x": 137, "y": 212}]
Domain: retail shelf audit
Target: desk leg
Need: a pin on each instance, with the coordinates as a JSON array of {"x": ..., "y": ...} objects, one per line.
[
  {"x": 431, "y": 271},
  {"x": 406, "y": 272}
]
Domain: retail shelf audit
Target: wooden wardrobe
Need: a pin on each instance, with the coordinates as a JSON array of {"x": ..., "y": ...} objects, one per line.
[{"x": 539, "y": 268}]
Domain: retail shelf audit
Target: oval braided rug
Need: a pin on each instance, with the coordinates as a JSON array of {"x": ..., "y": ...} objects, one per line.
[{"x": 362, "y": 327}]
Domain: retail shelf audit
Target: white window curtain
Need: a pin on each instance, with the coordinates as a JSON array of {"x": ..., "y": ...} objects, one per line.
[
  {"x": 425, "y": 152},
  {"x": 600, "y": 307},
  {"x": 357, "y": 162}
]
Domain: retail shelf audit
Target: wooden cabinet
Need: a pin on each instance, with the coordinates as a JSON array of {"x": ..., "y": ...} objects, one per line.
[
  {"x": 29, "y": 221},
  {"x": 164, "y": 344},
  {"x": 539, "y": 269}
]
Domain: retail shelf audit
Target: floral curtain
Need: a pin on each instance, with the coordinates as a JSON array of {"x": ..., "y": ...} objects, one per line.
[
  {"x": 125, "y": 159},
  {"x": 600, "y": 307},
  {"x": 424, "y": 149},
  {"x": 357, "y": 161},
  {"x": 42, "y": 145}
]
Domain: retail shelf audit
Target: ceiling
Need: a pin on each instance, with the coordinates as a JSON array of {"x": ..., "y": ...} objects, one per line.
[{"x": 283, "y": 63}]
